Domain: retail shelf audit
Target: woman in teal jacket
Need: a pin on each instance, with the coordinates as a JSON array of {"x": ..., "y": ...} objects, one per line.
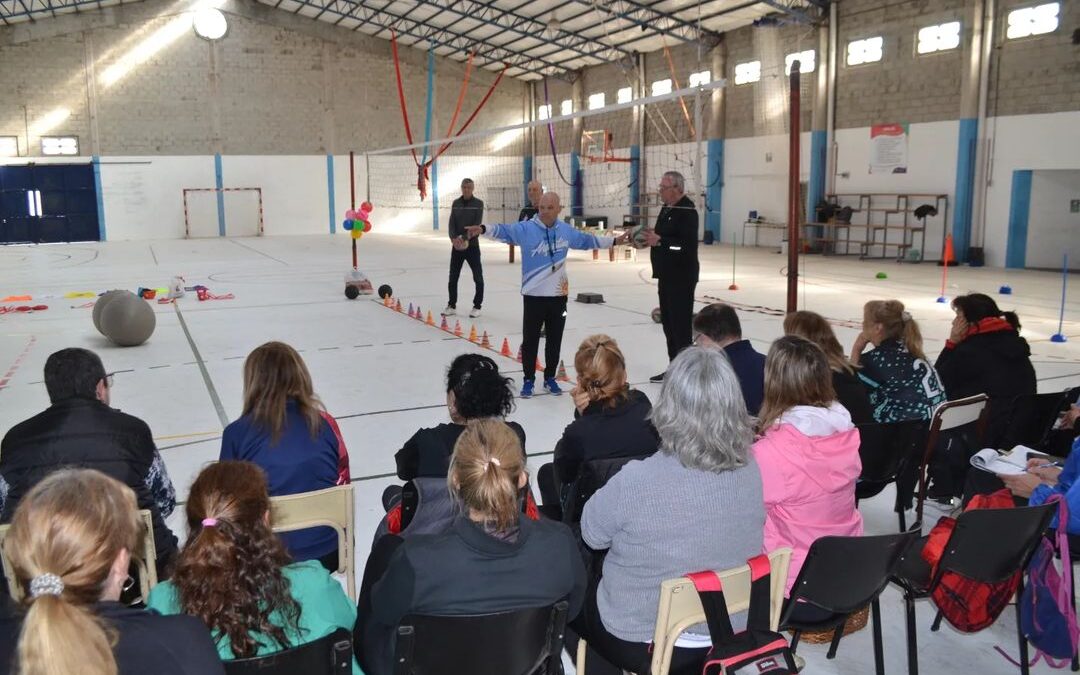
[{"x": 235, "y": 575}]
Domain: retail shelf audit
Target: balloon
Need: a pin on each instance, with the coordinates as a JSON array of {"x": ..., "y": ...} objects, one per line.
[
  {"x": 358, "y": 224},
  {"x": 367, "y": 226},
  {"x": 363, "y": 215},
  {"x": 347, "y": 224},
  {"x": 366, "y": 206},
  {"x": 357, "y": 233},
  {"x": 350, "y": 215}
]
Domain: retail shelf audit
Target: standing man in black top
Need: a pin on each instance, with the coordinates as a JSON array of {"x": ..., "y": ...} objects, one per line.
[
  {"x": 674, "y": 242},
  {"x": 466, "y": 211},
  {"x": 535, "y": 191}
]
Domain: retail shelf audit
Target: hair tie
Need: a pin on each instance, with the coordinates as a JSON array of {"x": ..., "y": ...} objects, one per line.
[
  {"x": 209, "y": 522},
  {"x": 492, "y": 461},
  {"x": 905, "y": 316},
  {"x": 46, "y": 584}
]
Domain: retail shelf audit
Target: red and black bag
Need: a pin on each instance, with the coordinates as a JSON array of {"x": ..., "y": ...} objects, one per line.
[{"x": 754, "y": 651}]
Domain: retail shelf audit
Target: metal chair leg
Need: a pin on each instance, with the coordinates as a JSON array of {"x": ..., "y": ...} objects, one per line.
[
  {"x": 1072, "y": 598},
  {"x": 937, "y": 622},
  {"x": 837, "y": 634},
  {"x": 795, "y": 640},
  {"x": 912, "y": 637},
  {"x": 879, "y": 656},
  {"x": 1024, "y": 667}
]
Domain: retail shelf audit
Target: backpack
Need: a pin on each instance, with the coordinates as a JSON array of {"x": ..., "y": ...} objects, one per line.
[
  {"x": 968, "y": 605},
  {"x": 1047, "y": 616},
  {"x": 754, "y": 651}
]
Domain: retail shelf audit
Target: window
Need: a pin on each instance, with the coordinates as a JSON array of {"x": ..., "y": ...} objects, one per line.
[
  {"x": 805, "y": 59},
  {"x": 9, "y": 146},
  {"x": 625, "y": 95},
  {"x": 1036, "y": 20},
  {"x": 661, "y": 87},
  {"x": 543, "y": 112},
  {"x": 567, "y": 107},
  {"x": 748, "y": 72},
  {"x": 698, "y": 79},
  {"x": 33, "y": 203},
  {"x": 596, "y": 101},
  {"x": 59, "y": 145},
  {"x": 864, "y": 51},
  {"x": 939, "y": 38}
]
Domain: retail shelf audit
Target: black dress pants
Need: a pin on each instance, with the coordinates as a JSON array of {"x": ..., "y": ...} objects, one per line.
[
  {"x": 676, "y": 312},
  {"x": 458, "y": 258},
  {"x": 540, "y": 311}
]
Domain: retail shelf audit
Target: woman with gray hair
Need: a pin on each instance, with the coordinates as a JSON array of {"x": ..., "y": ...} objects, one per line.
[{"x": 696, "y": 504}]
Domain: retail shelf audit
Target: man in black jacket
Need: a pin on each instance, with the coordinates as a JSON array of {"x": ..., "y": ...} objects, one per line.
[
  {"x": 535, "y": 191},
  {"x": 674, "y": 242},
  {"x": 465, "y": 212},
  {"x": 79, "y": 429}
]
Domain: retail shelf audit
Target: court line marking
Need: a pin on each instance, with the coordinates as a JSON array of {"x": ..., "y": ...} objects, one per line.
[
  {"x": 255, "y": 250},
  {"x": 214, "y": 398}
]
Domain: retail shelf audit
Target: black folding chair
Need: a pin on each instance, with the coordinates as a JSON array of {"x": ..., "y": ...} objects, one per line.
[
  {"x": 987, "y": 545},
  {"x": 842, "y": 575},
  {"x": 522, "y": 642},
  {"x": 329, "y": 655},
  {"x": 950, "y": 416},
  {"x": 1031, "y": 419},
  {"x": 887, "y": 451}
]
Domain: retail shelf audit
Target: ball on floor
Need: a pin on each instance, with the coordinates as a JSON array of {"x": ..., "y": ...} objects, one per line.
[
  {"x": 101, "y": 303},
  {"x": 656, "y": 315},
  {"x": 127, "y": 320},
  {"x": 352, "y": 292},
  {"x": 385, "y": 291}
]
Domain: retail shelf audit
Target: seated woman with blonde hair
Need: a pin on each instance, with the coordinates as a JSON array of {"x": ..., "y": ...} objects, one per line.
[
  {"x": 70, "y": 544},
  {"x": 611, "y": 425},
  {"x": 235, "y": 575}
]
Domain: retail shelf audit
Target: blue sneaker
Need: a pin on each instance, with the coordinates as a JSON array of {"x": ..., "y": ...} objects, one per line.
[
  {"x": 527, "y": 388},
  {"x": 552, "y": 386}
]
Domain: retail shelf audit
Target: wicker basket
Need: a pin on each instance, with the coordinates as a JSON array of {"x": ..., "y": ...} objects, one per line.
[{"x": 857, "y": 621}]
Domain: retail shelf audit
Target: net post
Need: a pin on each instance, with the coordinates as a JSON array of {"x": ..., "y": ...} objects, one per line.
[
  {"x": 699, "y": 183},
  {"x": 795, "y": 126}
]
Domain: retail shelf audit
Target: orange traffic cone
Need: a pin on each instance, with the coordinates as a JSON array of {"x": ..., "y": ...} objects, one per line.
[
  {"x": 430, "y": 319},
  {"x": 505, "y": 351},
  {"x": 539, "y": 366},
  {"x": 485, "y": 342},
  {"x": 444, "y": 326},
  {"x": 561, "y": 375},
  {"x": 472, "y": 333},
  {"x": 519, "y": 355},
  {"x": 457, "y": 328},
  {"x": 398, "y": 306}
]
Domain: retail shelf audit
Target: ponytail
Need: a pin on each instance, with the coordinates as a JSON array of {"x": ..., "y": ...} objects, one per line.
[
  {"x": 65, "y": 537},
  {"x": 485, "y": 469},
  {"x": 601, "y": 370},
  {"x": 912, "y": 337}
]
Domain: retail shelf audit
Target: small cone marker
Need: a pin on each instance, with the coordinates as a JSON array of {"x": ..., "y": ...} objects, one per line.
[
  {"x": 430, "y": 319},
  {"x": 519, "y": 355},
  {"x": 387, "y": 301},
  {"x": 410, "y": 310},
  {"x": 397, "y": 307},
  {"x": 561, "y": 375},
  {"x": 472, "y": 333},
  {"x": 505, "y": 351},
  {"x": 539, "y": 366},
  {"x": 419, "y": 316},
  {"x": 457, "y": 328},
  {"x": 485, "y": 342},
  {"x": 444, "y": 326}
]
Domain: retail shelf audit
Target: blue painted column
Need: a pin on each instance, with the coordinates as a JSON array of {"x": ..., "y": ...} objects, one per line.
[
  {"x": 818, "y": 158},
  {"x": 635, "y": 179},
  {"x": 435, "y": 195},
  {"x": 100, "y": 196},
  {"x": 1019, "y": 212},
  {"x": 714, "y": 180},
  {"x": 219, "y": 183},
  {"x": 965, "y": 186},
  {"x": 577, "y": 190},
  {"x": 330, "y": 192},
  {"x": 526, "y": 176}
]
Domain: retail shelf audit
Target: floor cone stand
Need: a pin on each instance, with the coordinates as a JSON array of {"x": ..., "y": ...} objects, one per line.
[
  {"x": 356, "y": 284},
  {"x": 734, "y": 247},
  {"x": 946, "y": 257},
  {"x": 1060, "y": 335}
]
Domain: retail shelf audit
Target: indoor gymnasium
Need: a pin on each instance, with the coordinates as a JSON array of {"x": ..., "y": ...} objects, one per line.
[{"x": 759, "y": 351}]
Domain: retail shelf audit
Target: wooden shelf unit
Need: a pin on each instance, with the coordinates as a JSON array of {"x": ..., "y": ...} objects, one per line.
[{"x": 897, "y": 209}]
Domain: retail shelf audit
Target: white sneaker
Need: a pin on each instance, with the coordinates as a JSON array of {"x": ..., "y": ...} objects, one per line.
[
  {"x": 449, "y": 311},
  {"x": 474, "y": 312}
]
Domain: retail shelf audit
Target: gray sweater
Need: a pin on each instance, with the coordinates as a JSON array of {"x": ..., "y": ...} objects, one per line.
[{"x": 661, "y": 521}]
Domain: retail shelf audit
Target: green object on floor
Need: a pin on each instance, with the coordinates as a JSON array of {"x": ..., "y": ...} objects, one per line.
[{"x": 882, "y": 275}]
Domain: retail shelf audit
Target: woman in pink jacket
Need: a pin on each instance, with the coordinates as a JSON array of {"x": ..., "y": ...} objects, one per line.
[{"x": 808, "y": 453}]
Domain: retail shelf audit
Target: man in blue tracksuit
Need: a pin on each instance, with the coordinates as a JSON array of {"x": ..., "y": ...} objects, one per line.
[{"x": 544, "y": 242}]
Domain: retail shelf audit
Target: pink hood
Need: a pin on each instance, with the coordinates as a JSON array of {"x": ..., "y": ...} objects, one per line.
[{"x": 809, "y": 463}]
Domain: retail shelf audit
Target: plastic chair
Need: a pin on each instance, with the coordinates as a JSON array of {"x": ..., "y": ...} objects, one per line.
[
  {"x": 987, "y": 545},
  {"x": 949, "y": 416},
  {"x": 896, "y": 442},
  {"x": 146, "y": 569},
  {"x": 522, "y": 642},
  {"x": 1031, "y": 418},
  {"x": 842, "y": 575},
  {"x": 329, "y": 655},
  {"x": 680, "y": 607},
  {"x": 332, "y": 507}
]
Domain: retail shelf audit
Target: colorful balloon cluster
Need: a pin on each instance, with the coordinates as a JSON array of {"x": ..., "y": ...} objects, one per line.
[{"x": 359, "y": 222}]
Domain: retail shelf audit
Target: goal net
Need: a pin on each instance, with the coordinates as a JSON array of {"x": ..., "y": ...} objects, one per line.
[
  {"x": 223, "y": 212},
  {"x": 593, "y": 159}
]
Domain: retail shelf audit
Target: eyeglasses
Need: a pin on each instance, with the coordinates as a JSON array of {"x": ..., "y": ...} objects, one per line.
[
  {"x": 666, "y": 187},
  {"x": 697, "y": 336},
  {"x": 108, "y": 379}
]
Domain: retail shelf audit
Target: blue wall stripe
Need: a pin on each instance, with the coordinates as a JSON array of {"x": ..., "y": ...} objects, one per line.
[
  {"x": 1019, "y": 212},
  {"x": 526, "y": 176},
  {"x": 435, "y": 195},
  {"x": 577, "y": 177},
  {"x": 816, "y": 187},
  {"x": 714, "y": 180},
  {"x": 965, "y": 186},
  {"x": 219, "y": 183},
  {"x": 635, "y": 180},
  {"x": 330, "y": 192},
  {"x": 430, "y": 98},
  {"x": 96, "y": 161}
]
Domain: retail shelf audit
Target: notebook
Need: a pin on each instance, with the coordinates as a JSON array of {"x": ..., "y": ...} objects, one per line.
[{"x": 1011, "y": 463}]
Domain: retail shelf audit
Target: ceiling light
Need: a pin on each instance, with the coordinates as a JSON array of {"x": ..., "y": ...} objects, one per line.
[{"x": 209, "y": 23}]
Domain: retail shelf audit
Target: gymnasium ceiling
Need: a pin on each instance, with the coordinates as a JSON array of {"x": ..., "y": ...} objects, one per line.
[{"x": 533, "y": 37}]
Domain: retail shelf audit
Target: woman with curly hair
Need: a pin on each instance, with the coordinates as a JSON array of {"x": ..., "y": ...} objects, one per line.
[
  {"x": 235, "y": 575},
  {"x": 286, "y": 431},
  {"x": 474, "y": 389}
]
